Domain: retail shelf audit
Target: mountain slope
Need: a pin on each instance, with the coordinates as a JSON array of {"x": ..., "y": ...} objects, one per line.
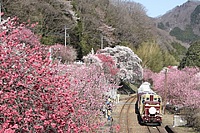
[
  {"x": 91, "y": 24},
  {"x": 184, "y": 20}
]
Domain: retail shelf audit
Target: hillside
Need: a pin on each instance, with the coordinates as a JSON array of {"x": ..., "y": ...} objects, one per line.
[
  {"x": 92, "y": 24},
  {"x": 182, "y": 22}
]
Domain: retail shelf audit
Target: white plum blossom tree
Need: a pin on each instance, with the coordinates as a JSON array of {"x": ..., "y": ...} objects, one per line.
[
  {"x": 127, "y": 62},
  {"x": 130, "y": 69}
]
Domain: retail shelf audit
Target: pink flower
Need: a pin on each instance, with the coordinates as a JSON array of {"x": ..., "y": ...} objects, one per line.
[
  {"x": 9, "y": 131},
  {"x": 15, "y": 126}
]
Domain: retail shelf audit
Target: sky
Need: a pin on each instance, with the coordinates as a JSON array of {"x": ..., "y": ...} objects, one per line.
[{"x": 156, "y": 8}]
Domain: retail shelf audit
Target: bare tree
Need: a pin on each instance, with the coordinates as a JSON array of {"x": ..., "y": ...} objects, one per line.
[{"x": 130, "y": 19}]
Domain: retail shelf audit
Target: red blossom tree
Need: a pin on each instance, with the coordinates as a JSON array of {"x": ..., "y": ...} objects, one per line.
[
  {"x": 39, "y": 96},
  {"x": 108, "y": 64}
]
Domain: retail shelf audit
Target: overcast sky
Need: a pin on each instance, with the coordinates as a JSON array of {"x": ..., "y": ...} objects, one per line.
[{"x": 159, "y": 7}]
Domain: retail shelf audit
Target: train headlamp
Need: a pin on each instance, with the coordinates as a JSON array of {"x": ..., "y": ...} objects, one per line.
[{"x": 152, "y": 110}]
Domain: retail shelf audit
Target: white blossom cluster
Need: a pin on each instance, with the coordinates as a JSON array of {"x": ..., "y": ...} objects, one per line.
[{"x": 127, "y": 61}]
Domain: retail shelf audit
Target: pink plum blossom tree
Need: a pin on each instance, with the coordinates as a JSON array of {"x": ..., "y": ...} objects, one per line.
[
  {"x": 106, "y": 63},
  {"x": 182, "y": 85},
  {"x": 37, "y": 95},
  {"x": 67, "y": 54},
  {"x": 181, "y": 88}
]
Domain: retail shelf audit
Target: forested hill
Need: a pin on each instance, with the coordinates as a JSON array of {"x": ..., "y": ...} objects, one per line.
[
  {"x": 183, "y": 21},
  {"x": 90, "y": 23}
]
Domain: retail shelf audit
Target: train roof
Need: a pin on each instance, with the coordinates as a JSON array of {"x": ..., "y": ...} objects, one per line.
[{"x": 145, "y": 88}]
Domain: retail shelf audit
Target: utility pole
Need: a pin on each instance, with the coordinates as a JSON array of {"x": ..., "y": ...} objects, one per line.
[
  {"x": 0, "y": 11},
  {"x": 101, "y": 41},
  {"x": 66, "y": 35},
  {"x": 166, "y": 90}
]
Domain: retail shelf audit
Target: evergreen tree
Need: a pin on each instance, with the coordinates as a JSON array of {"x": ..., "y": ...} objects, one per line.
[{"x": 192, "y": 57}]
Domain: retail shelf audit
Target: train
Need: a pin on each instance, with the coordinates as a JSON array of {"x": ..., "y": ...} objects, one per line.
[{"x": 148, "y": 105}]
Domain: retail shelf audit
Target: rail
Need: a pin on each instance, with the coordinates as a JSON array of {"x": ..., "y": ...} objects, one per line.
[{"x": 126, "y": 108}]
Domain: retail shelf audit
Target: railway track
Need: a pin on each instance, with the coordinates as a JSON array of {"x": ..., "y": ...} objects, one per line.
[
  {"x": 124, "y": 118},
  {"x": 156, "y": 129},
  {"x": 128, "y": 119}
]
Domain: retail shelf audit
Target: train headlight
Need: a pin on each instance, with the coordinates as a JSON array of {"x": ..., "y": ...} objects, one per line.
[{"x": 152, "y": 110}]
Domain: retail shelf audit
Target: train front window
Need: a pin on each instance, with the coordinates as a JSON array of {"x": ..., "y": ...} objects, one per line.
[
  {"x": 155, "y": 99},
  {"x": 147, "y": 98},
  {"x": 159, "y": 100}
]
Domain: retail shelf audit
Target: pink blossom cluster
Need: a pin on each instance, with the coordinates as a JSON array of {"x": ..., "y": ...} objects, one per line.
[
  {"x": 37, "y": 95},
  {"x": 182, "y": 85},
  {"x": 66, "y": 53},
  {"x": 106, "y": 63}
]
